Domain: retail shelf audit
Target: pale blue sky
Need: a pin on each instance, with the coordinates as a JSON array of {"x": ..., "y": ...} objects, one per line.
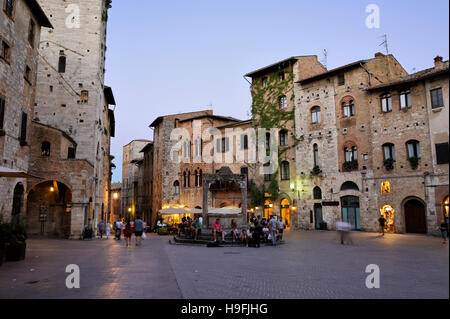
[{"x": 175, "y": 56}]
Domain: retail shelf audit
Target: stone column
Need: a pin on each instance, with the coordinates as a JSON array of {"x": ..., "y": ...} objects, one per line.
[
  {"x": 205, "y": 204},
  {"x": 243, "y": 185}
]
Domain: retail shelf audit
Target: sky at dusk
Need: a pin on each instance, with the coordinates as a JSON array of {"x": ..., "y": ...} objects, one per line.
[{"x": 166, "y": 57}]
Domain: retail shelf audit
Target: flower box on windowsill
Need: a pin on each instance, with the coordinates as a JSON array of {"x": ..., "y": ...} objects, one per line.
[
  {"x": 316, "y": 171},
  {"x": 350, "y": 166},
  {"x": 414, "y": 161},
  {"x": 388, "y": 164}
]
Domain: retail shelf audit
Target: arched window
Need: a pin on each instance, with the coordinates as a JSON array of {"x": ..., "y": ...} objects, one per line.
[
  {"x": 189, "y": 179},
  {"x": 348, "y": 108},
  {"x": 200, "y": 180},
  {"x": 389, "y": 151},
  {"x": 62, "y": 64},
  {"x": 283, "y": 138},
  {"x": 413, "y": 148},
  {"x": 283, "y": 102},
  {"x": 317, "y": 193},
  {"x": 386, "y": 102},
  {"x": 349, "y": 186},
  {"x": 176, "y": 188},
  {"x": 315, "y": 115},
  {"x": 285, "y": 171},
  {"x": 184, "y": 179},
  {"x": 17, "y": 199},
  {"x": 45, "y": 149},
  {"x": 196, "y": 179},
  {"x": 316, "y": 154},
  {"x": 351, "y": 153}
]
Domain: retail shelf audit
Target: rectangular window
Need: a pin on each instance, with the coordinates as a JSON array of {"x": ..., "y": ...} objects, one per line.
[
  {"x": 2, "y": 112},
  {"x": 386, "y": 103},
  {"x": 223, "y": 145},
  {"x": 71, "y": 153},
  {"x": 84, "y": 96},
  {"x": 23, "y": 128},
  {"x": 281, "y": 76},
  {"x": 264, "y": 82},
  {"x": 9, "y": 6},
  {"x": 31, "y": 32},
  {"x": 436, "y": 98},
  {"x": 244, "y": 141},
  {"x": 442, "y": 153},
  {"x": 341, "y": 79},
  {"x": 405, "y": 99},
  {"x": 5, "y": 52}
]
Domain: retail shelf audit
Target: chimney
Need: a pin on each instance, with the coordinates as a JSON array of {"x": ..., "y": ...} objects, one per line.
[
  {"x": 438, "y": 64},
  {"x": 379, "y": 55}
]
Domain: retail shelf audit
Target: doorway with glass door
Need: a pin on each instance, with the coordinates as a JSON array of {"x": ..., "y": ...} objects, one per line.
[{"x": 350, "y": 211}]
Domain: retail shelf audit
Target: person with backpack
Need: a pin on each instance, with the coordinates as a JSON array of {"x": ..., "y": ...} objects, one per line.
[{"x": 138, "y": 230}]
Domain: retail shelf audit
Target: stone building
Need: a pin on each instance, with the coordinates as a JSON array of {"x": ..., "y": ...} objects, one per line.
[
  {"x": 116, "y": 212},
  {"x": 20, "y": 26},
  {"x": 72, "y": 99},
  {"x": 132, "y": 177},
  {"x": 355, "y": 145},
  {"x": 410, "y": 147},
  {"x": 273, "y": 106},
  {"x": 146, "y": 185}
]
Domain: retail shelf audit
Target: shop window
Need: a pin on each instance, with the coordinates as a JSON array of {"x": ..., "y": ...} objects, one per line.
[
  {"x": 445, "y": 206},
  {"x": 385, "y": 187},
  {"x": 388, "y": 213}
]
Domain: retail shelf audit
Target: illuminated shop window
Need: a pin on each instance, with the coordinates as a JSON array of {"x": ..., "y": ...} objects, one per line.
[{"x": 385, "y": 187}]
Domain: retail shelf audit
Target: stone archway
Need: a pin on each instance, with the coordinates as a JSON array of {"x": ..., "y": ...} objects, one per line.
[
  {"x": 415, "y": 216},
  {"x": 18, "y": 200},
  {"x": 49, "y": 209}
]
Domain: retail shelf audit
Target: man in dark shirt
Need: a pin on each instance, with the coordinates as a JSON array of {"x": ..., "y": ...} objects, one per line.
[{"x": 382, "y": 222}]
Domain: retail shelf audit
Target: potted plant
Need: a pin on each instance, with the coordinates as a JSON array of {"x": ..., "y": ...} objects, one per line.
[
  {"x": 163, "y": 231},
  {"x": 350, "y": 165},
  {"x": 414, "y": 161},
  {"x": 16, "y": 242},
  {"x": 388, "y": 164},
  {"x": 4, "y": 234}
]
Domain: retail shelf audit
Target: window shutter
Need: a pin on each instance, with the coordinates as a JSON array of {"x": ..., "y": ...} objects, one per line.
[
  {"x": 2, "y": 112},
  {"x": 442, "y": 153},
  {"x": 23, "y": 128}
]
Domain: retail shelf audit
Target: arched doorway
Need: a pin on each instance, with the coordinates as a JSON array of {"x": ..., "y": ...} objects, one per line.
[
  {"x": 17, "y": 201},
  {"x": 388, "y": 213},
  {"x": 415, "y": 218},
  {"x": 318, "y": 218},
  {"x": 49, "y": 209},
  {"x": 286, "y": 212},
  {"x": 350, "y": 211}
]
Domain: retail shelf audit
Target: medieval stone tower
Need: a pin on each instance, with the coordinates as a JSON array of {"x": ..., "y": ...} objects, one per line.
[{"x": 71, "y": 96}]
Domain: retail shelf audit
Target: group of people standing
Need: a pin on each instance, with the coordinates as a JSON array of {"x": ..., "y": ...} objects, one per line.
[
  {"x": 128, "y": 228},
  {"x": 258, "y": 229}
]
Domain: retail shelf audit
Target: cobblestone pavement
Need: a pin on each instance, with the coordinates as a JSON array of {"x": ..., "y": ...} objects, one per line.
[{"x": 309, "y": 265}]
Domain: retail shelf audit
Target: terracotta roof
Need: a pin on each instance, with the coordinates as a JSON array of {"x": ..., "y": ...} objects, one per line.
[
  {"x": 39, "y": 14},
  {"x": 146, "y": 147},
  {"x": 235, "y": 124},
  {"x": 336, "y": 70},
  {"x": 219, "y": 117},
  {"x": 161, "y": 118},
  {"x": 271, "y": 66},
  {"x": 418, "y": 76}
]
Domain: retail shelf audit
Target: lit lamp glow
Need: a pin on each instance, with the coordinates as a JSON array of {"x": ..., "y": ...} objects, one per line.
[
  {"x": 129, "y": 209},
  {"x": 116, "y": 196},
  {"x": 52, "y": 189}
]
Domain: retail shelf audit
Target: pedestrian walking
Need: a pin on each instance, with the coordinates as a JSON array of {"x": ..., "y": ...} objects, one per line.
[
  {"x": 138, "y": 230},
  {"x": 444, "y": 231},
  {"x": 281, "y": 227},
  {"x": 127, "y": 232},
  {"x": 382, "y": 222},
  {"x": 273, "y": 228},
  {"x": 343, "y": 228},
  {"x": 118, "y": 228},
  {"x": 108, "y": 230},
  {"x": 101, "y": 228}
]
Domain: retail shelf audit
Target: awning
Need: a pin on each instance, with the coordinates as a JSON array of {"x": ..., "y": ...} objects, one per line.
[
  {"x": 14, "y": 173},
  {"x": 179, "y": 211},
  {"x": 229, "y": 210}
]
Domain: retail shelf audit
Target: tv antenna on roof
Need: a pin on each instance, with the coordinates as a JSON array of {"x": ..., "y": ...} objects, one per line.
[{"x": 385, "y": 43}]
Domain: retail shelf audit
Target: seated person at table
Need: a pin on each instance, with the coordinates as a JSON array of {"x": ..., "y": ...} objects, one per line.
[
  {"x": 244, "y": 237},
  {"x": 234, "y": 230},
  {"x": 196, "y": 228},
  {"x": 181, "y": 226},
  {"x": 217, "y": 229},
  {"x": 265, "y": 232}
]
